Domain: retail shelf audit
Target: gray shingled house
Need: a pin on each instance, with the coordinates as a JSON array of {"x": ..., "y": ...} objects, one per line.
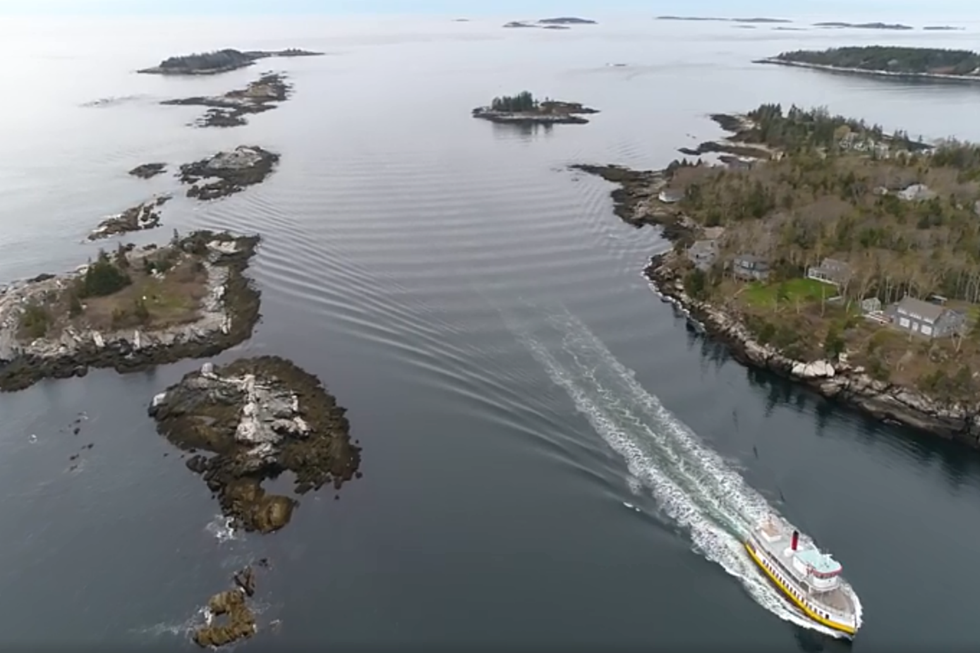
[
  {"x": 925, "y": 318},
  {"x": 703, "y": 254},
  {"x": 750, "y": 266},
  {"x": 830, "y": 271}
]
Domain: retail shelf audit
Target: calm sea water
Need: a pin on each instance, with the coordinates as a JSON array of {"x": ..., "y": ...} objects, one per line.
[{"x": 480, "y": 312}]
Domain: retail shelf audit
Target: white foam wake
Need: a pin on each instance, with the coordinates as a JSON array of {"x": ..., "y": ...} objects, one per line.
[{"x": 692, "y": 484}]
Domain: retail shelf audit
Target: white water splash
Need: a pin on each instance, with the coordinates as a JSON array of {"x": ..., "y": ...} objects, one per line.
[
  {"x": 220, "y": 527},
  {"x": 691, "y": 483}
]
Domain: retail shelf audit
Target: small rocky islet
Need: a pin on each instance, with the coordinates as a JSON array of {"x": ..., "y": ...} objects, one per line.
[
  {"x": 257, "y": 418},
  {"x": 226, "y": 173},
  {"x": 143, "y": 216},
  {"x": 230, "y": 109},
  {"x": 525, "y": 109},
  {"x": 130, "y": 310}
]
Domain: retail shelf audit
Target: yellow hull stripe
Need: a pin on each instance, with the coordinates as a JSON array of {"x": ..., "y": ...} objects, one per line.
[{"x": 850, "y": 630}]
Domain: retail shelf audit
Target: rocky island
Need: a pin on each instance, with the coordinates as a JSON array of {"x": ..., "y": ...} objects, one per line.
[
  {"x": 143, "y": 216},
  {"x": 219, "y": 61},
  {"x": 226, "y": 173},
  {"x": 257, "y": 418},
  {"x": 524, "y": 109},
  {"x": 847, "y": 261},
  {"x": 760, "y": 20},
  {"x": 230, "y": 109},
  {"x": 130, "y": 310},
  {"x": 887, "y": 61},
  {"x": 886, "y": 26},
  {"x": 148, "y": 170},
  {"x": 563, "y": 22}
]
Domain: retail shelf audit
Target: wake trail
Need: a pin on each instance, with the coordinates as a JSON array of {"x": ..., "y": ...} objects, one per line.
[{"x": 691, "y": 483}]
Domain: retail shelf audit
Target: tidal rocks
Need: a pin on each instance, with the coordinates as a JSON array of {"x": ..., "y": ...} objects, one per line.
[
  {"x": 219, "y": 61},
  {"x": 230, "y": 109},
  {"x": 226, "y": 173},
  {"x": 132, "y": 310},
  {"x": 138, "y": 218},
  {"x": 549, "y": 112},
  {"x": 229, "y": 617},
  {"x": 148, "y": 170},
  {"x": 258, "y": 417}
]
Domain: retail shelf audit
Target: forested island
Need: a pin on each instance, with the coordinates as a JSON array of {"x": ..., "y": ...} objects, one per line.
[
  {"x": 524, "y": 108},
  {"x": 886, "y": 60},
  {"x": 849, "y": 260},
  {"x": 562, "y": 22},
  {"x": 219, "y": 61},
  {"x": 886, "y": 26},
  {"x": 760, "y": 20}
]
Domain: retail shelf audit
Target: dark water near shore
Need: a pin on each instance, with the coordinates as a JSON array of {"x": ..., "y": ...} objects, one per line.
[{"x": 480, "y": 312}]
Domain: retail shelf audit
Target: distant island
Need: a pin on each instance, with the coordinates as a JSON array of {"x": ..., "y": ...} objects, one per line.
[
  {"x": 219, "y": 61},
  {"x": 725, "y": 20},
  {"x": 942, "y": 28},
  {"x": 525, "y": 109},
  {"x": 932, "y": 63},
  {"x": 839, "y": 25},
  {"x": 562, "y": 22}
]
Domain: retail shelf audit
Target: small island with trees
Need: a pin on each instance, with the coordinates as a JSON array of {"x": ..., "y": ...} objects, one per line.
[
  {"x": 834, "y": 24},
  {"x": 129, "y": 309},
  {"x": 848, "y": 260},
  {"x": 561, "y": 22},
  {"x": 525, "y": 109},
  {"x": 219, "y": 61},
  {"x": 887, "y": 61}
]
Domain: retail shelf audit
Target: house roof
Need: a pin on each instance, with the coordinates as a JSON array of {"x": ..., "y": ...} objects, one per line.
[{"x": 930, "y": 312}]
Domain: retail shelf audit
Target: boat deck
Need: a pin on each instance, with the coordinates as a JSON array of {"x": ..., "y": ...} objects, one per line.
[{"x": 837, "y": 599}]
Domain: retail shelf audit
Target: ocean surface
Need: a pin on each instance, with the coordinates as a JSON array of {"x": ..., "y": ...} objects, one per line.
[{"x": 552, "y": 459}]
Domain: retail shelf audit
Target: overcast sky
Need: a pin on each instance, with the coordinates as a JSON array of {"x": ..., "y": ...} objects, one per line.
[{"x": 519, "y": 8}]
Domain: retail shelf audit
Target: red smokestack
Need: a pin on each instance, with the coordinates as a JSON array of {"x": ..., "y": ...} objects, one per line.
[{"x": 796, "y": 540}]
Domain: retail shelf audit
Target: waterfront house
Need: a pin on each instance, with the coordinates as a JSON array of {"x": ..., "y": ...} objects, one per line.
[
  {"x": 751, "y": 267},
  {"x": 703, "y": 254},
  {"x": 830, "y": 271},
  {"x": 668, "y": 196},
  {"x": 925, "y": 318}
]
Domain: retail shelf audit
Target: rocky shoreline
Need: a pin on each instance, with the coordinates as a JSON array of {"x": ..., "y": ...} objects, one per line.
[
  {"x": 227, "y": 173},
  {"x": 635, "y": 202},
  {"x": 141, "y": 217},
  {"x": 258, "y": 417},
  {"x": 223, "y": 315},
  {"x": 849, "y": 385},
  {"x": 870, "y": 73},
  {"x": 230, "y": 109}
]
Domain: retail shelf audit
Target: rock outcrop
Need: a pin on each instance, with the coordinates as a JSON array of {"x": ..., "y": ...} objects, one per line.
[
  {"x": 230, "y": 109},
  {"x": 257, "y": 417},
  {"x": 228, "y": 617},
  {"x": 226, "y": 173},
  {"x": 148, "y": 170},
  {"x": 138, "y": 218},
  {"x": 218, "y": 308}
]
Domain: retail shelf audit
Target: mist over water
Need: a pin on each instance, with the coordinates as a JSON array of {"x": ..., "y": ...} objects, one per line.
[{"x": 479, "y": 310}]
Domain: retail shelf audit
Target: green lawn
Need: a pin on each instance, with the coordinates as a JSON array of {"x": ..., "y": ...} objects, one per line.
[{"x": 803, "y": 290}]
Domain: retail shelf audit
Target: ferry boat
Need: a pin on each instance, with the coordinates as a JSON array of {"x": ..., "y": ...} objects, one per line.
[{"x": 809, "y": 578}]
